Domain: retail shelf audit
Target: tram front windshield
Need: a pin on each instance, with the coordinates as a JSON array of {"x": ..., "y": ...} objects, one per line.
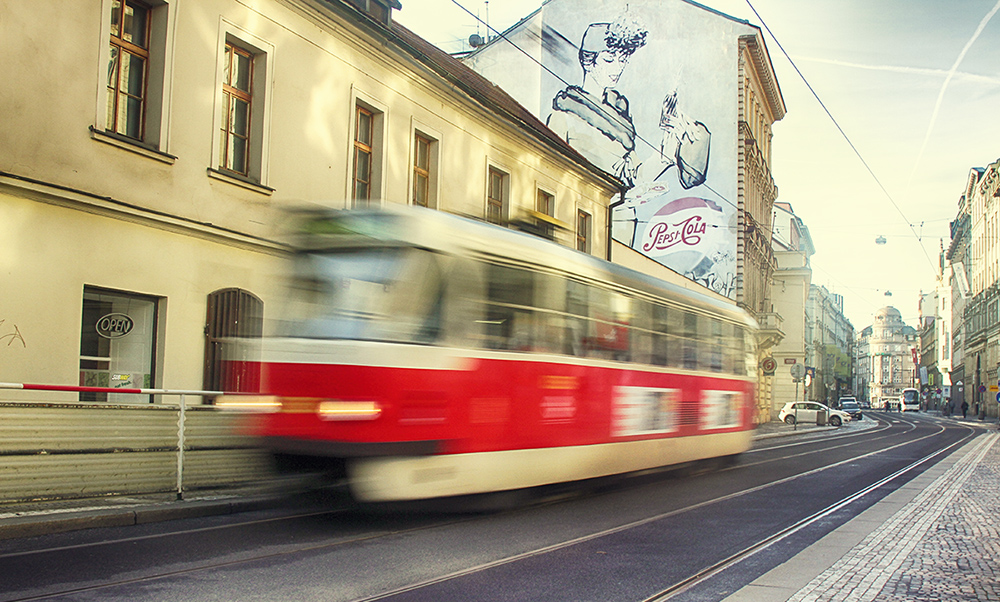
[{"x": 375, "y": 294}]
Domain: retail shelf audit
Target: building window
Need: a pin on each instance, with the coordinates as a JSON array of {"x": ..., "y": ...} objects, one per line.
[
  {"x": 545, "y": 203},
  {"x": 241, "y": 120},
  {"x": 376, "y": 9},
  {"x": 365, "y": 176},
  {"x": 117, "y": 344},
  {"x": 232, "y": 314},
  {"x": 128, "y": 68},
  {"x": 583, "y": 231},
  {"x": 421, "y": 170},
  {"x": 496, "y": 196},
  {"x": 131, "y": 111},
  {"x": 237, "y": 101}
]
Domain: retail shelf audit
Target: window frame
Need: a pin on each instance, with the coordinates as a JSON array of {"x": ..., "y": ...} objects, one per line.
[
  {"x": 497, "y": 201},
  {"x": 421, "y": 170},
  {"x": 155, "y": 349},
  {"x": 260, "y": 110},
  {"x": 232, "y": 93},
  {"x": 584, "y": 225},
  {"x": 545, "y": 202},
  {"x": 379, "y": 112},
  {"x": 433, "y": 139},
  {"x": 128, "y": 48},
  {"x": 156, "y": 85},
  {"x": 362, "y": 148}
]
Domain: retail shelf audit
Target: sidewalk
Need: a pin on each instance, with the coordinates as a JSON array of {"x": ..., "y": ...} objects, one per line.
[{"x": 937, "y": 538}]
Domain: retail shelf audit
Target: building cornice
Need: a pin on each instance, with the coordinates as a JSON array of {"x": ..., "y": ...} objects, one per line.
[
  {"x": 64, "y": 196},
  {"x": 765, "y": 72}
]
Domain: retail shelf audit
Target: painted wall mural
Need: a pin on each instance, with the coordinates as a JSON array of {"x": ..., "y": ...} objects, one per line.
[{"x": 646, "y": 90}]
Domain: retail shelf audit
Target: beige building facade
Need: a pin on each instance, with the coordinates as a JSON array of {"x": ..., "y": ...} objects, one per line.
[
  {"x": 790, "y": 292},
  {"x": 150, "y": 185}
]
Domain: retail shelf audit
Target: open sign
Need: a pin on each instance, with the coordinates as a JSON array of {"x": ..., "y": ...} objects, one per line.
[{"x": 114, "y": 326}]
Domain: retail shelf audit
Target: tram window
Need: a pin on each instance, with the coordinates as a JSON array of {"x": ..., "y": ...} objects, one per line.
[
  {"x": 661, "y": 340},
  {"x": 675, "y": 338},
  {"x": 464, "y": 311},
  {"x": 367, "y": 294},
  {"x": 689, "y": 341},
  {"x": 749, "y": 353},
  {"x": 621, "y": 326},
  {"x": 509, "y": 322},
  {"x": 577, "y": 306},
  {"x": 550, "y": 295},
  {"x": 729, "y": 356},
  {"x": 712, "y": 344},
  {"x": 602, "y": 336},
  {"x": 642, "y": 338}
]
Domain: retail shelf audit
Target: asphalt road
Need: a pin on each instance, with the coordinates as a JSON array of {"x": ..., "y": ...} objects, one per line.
[{"x": 678, "y": 536}]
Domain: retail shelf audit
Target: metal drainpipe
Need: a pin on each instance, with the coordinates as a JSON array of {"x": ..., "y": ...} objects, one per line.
[{"x": 611, "y": 209}]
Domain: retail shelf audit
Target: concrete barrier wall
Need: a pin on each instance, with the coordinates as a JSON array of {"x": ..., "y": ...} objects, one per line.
[{"x": 52, "y": 451}]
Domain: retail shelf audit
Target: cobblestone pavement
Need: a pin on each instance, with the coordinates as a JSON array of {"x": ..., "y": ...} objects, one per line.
[
  {"x": 943, "y": 545},
  {"x": 940, "y": 546}
]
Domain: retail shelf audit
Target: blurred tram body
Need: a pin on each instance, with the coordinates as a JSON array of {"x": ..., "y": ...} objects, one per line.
[{"x": 428, "y": 355}]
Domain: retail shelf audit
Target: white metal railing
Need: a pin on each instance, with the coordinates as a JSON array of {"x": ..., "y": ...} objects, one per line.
[{"x": 182, "y": 408}]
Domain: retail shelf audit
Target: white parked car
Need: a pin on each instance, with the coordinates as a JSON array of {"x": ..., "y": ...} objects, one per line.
[{"x": 805, "y": 412}]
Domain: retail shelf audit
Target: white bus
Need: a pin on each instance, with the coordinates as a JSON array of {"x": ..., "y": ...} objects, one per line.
[{"x": 910, "y": 400}]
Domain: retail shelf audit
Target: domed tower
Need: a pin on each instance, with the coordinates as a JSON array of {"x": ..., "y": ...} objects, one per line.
[{"x": 891, "y": 363}]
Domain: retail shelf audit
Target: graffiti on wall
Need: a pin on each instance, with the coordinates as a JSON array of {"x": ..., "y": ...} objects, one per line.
[{"x": 10, "y": 334}]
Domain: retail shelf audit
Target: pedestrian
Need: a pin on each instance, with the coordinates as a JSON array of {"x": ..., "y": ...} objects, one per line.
[{"x": 965, "y": 408}]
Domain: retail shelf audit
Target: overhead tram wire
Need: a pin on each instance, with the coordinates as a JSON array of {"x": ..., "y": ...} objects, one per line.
[
  {"x": 491, "y": 30},
  {"x": 844, "y": 134}
]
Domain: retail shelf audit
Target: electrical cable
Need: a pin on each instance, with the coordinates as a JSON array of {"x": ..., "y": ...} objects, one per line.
[{"x": 847, "y": 138}]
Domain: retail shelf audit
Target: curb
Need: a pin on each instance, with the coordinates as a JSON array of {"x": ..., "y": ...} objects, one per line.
[{"x": 47, "y": 523}]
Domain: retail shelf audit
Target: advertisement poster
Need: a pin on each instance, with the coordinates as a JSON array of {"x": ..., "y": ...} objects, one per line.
[
  {"x": 644, "y": 411},
  {"x": 646, "y": 90}
]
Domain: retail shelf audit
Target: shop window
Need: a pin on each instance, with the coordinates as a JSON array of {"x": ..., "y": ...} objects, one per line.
[
  {"x": 233, "y": 316},
  {"x": 117, "y": 344}
]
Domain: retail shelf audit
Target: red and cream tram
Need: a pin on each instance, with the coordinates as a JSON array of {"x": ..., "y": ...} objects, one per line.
[{"x": 429, "y": 355}]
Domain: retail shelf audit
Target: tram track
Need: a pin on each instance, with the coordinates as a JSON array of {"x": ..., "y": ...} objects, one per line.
[
  {"x": 748, "y": 551},
  {"x": 369, "y": 537},
  {"x": 318, "y": 546},
  {"x": 715, "y": 568}
]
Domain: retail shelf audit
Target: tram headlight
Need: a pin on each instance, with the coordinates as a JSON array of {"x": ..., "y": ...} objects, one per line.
[
  {"x": 348, "y": 410},
  {"x": 249, "y": 403}
]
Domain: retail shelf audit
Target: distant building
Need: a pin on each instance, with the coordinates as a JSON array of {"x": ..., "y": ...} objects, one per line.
[
  {"x": 957, "y": 260},
  {"x": 830, "y": 337},
  {"x": 974, "y": 258},
  {"x": 888, "y": 363},
  {"x": 936, "y": 334},
  {"x": 790, "y": 291}
]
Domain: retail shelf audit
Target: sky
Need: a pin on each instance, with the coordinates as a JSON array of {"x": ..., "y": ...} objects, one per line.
[{"x": 913, "y": 88}]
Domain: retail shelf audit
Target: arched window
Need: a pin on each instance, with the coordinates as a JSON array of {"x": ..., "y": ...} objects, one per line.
[{"x": 233, "y": 313}]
